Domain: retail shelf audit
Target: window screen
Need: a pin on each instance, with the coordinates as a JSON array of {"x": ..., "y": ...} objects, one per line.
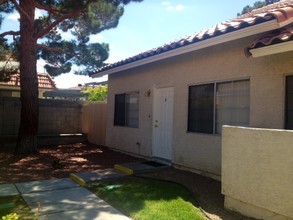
[{"x": 216, "y": 104}]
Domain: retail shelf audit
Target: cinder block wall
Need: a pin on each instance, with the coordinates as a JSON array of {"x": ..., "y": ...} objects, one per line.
[
  {"x": 59, "y": 116},
  {"x": 257, "y": 177},
  {"x": 55, "y": 116}
]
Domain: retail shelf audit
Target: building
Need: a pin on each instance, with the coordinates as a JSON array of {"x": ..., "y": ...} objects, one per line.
[
  {"x": 11, "y": 88},
  {"x": 170, "y": 103}
]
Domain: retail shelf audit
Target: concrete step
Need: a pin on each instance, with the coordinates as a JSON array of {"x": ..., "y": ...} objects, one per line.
[
  {"x": 83, "y": 178},
  {"x": 140, "y": 167}
]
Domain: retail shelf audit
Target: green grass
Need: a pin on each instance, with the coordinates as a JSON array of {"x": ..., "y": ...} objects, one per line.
[
  {"x": 15, "y": 204},
  {"x": 144, "y": 199}
]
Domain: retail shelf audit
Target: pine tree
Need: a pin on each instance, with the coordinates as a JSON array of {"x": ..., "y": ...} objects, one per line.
[
  {"x": 257, "y": 4},
  {"x": 79, "y": 17}
]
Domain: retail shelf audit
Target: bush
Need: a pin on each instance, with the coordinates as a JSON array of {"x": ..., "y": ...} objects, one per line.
[
  {"x": 97, "y": 93},
  {"x": 11, "y": 216}
]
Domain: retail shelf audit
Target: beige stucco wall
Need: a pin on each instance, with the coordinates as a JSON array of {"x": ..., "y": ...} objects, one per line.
[
  {"x": 224, "y": 62},
  {"x": 257, "y": 177},
  {"x": 93, "y": 121}
]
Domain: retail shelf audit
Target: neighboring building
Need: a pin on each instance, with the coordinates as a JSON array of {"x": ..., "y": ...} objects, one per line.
[
  {"x": 11, "y": 88},
  {"x": 73, "y": 93},
  {"x": 170, "y": 103},
  {"x": 67, "y": 94},
  {"x": 94, "y": 84}
]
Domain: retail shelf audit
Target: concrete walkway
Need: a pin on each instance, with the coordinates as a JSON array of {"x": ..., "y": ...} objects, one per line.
[{"x": 64, "y": 199}]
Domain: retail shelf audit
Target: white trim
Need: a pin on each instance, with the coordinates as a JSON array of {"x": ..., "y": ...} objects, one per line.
[
  {"x": 159, "y": 86},
  {"x": 272, "y": 49},
  {"x": 245, "y": 32}
]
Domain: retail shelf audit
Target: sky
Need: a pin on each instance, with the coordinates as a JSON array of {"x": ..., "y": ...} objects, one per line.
[{"x": 150, "y": 24}]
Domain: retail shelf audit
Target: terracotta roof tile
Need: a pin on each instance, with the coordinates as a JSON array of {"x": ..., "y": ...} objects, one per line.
[
  {"x": 44, "y": 80},
  {"x": 280, "y": 11},
  {"x": 277, "y": 36}
]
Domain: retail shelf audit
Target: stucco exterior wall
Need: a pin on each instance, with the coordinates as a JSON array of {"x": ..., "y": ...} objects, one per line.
[
  {"x": 257, "y": 172},
  {"x": 93, "y": 121},
  {"x": 224, "y": 62}
]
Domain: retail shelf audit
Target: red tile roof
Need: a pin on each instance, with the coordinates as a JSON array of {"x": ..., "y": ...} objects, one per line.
[
  {"x": 277, "y": 36},
  {"x": 44, "y": 80},
  {"x": 281, "y": 11}
]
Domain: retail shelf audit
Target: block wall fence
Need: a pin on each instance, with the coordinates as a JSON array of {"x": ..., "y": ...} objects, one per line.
[{"x": 57, "y": 117}]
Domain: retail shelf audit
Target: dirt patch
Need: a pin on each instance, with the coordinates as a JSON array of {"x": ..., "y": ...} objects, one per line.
[{"x": 58, "y": 162}]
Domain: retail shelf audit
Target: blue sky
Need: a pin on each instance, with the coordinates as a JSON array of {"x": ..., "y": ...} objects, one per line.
[
  {"x": 154, "y": 22},
  {"x": 150, "y": 24}
]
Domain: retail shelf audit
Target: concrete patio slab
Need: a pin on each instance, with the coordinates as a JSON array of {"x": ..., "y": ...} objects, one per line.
[
  {"x": 71, "y": 203},
  {"x": 45, "y": 185},
  {"x": 8, "y": 190},
  {"x": 61, "y": 200}
]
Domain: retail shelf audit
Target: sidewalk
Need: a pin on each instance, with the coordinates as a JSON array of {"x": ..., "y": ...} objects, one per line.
[{"x": 63, "y": 199}]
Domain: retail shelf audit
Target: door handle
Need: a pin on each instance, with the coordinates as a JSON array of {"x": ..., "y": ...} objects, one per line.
[{"x": 156, "y": 126}]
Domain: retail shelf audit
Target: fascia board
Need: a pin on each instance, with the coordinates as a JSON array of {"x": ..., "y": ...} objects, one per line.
[
  {"x": 272, "y": 49},
  {"x": 245, "y": 32}
]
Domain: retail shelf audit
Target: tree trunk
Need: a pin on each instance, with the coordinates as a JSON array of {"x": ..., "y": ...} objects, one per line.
[{"x": 28, "y": 130}]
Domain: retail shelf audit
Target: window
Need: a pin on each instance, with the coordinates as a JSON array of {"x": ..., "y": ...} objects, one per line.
[
  {"x": 126, "y": 110},
  {"x": 201, "y": 108},
  {"x": 289, "y": 103},
  {"x": 215, "y": 104}
]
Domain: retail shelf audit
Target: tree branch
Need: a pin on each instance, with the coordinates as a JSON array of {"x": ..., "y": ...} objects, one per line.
[
  {"x": 21, "y": 11},
  {"x": 3, "y": 2},
  {"x": 13, "y": 33},
  {"x": 54, "y": 49},
  {"x": 61, "y": 18},
  {"x": 56, "y": 22},
  {"x": 47, "y": 8}
]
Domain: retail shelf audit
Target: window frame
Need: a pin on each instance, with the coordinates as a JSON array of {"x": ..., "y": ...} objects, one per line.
[
  {"x": 215, "y": 83},
  {"x": 287, "y": 126},
  {"x": 124, "y": 121}
]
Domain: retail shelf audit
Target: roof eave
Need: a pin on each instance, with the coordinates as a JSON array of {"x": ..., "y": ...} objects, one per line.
[
  {"x": 238, "y": 34},
  {"x": 272, "y": 49}
]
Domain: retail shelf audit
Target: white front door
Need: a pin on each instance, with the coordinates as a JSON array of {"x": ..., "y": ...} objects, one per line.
[{"x": 163, "y": 123}]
